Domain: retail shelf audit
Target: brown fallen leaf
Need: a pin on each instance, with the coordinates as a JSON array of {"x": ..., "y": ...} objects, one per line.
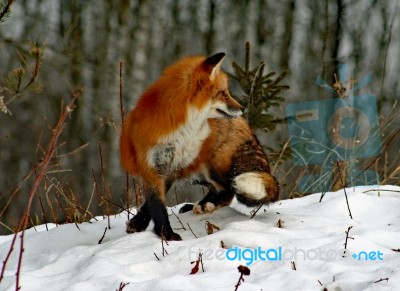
[{"x": 211, "y": 227}]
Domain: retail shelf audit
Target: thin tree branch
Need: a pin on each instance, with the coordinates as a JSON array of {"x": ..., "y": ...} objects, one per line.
[{"x": 52, "y": 146}]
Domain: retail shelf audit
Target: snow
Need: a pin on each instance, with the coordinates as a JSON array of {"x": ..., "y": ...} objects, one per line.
[{"x": 68, "y": 258}]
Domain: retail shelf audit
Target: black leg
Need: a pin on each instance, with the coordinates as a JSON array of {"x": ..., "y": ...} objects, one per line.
[
  {"x": 153, "y": 208},
  {"x": 219, "y": 199},
  {"x": 140, "y": 221},
  {"x": 159, "y": 215},
  {"x": 186, "y": 208}
]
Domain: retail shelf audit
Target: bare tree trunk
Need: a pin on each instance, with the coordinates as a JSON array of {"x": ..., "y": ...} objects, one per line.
[
  {"x": 209, "y": 37},
  {"x": 139, "y": 47},
  {"x": 287, "y": 37},
  {"x": 331, "y": 39}
]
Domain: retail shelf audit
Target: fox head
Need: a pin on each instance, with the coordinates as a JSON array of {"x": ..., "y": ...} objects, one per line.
[
  {"x": 198, "y": 82},
  {"x": 192, "y": 90},
  {"x": 213, "y": 91}
]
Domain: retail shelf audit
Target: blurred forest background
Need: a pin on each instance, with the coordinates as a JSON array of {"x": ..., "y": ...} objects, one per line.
[{"x": 50, "y": 48}]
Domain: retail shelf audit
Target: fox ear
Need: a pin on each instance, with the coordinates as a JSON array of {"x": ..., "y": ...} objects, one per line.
[{"x": 214, "y": 63}]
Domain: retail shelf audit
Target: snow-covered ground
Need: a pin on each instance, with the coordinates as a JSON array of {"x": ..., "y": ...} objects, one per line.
[{"x": 305, "y": 253}]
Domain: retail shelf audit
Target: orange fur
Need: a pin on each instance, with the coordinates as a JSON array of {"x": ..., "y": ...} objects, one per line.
[
  {"x": 186, "y": 124},
  {"x": 162, "y": 109}
]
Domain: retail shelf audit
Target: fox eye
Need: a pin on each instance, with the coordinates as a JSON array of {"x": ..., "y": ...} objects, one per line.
[{"x": 223, "y": 93}]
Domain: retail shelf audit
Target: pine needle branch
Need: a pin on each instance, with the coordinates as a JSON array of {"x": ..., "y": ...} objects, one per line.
[
  {"x": 5, "y": 9},
  {"x": 260, "y": 93}
]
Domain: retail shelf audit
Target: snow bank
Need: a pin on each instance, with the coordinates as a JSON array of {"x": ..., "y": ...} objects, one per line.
[{"x": 310, "y": 243}]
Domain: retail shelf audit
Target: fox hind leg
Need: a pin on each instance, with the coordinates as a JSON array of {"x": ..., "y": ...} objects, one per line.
[{"x": 213, "y": 200}]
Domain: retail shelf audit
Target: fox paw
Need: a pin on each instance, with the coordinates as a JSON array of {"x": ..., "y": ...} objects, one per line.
[
  {"x": 132, "y": 228},
  {"x": 203, "y": 208},
  {"x": 166, "y": 233},
  {"x": 137, "y": 224},
  {"x": 172, "y": 236}
]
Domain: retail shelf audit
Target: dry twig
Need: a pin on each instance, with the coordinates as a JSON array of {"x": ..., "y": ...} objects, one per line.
[
  {"x": 177, "y": 217},
  {"x": 191, "y": 230},
  {"x": 347, "y": 237},
  {"x": 41, "y": 171},
  {"x": 104, "y": 234}
]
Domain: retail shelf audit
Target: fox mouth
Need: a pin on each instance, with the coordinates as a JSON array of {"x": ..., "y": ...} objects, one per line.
[{"x": 228, "y": 115}]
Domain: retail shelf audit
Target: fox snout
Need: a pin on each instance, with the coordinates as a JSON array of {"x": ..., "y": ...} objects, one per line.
[
  {"x": 228, "y": 108},
  {"x": 229, "y": 112}
]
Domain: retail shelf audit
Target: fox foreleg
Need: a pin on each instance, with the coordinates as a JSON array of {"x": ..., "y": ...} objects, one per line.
[
  {"x": 153, "y": 208},
  {"x": 140, "y": 221}
]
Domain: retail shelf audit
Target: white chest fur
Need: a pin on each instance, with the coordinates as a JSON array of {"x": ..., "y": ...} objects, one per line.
[{"x": 179, "y": 148}]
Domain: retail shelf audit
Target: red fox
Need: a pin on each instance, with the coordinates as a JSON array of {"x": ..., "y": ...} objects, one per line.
[{"x": 187, "y": 125}]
